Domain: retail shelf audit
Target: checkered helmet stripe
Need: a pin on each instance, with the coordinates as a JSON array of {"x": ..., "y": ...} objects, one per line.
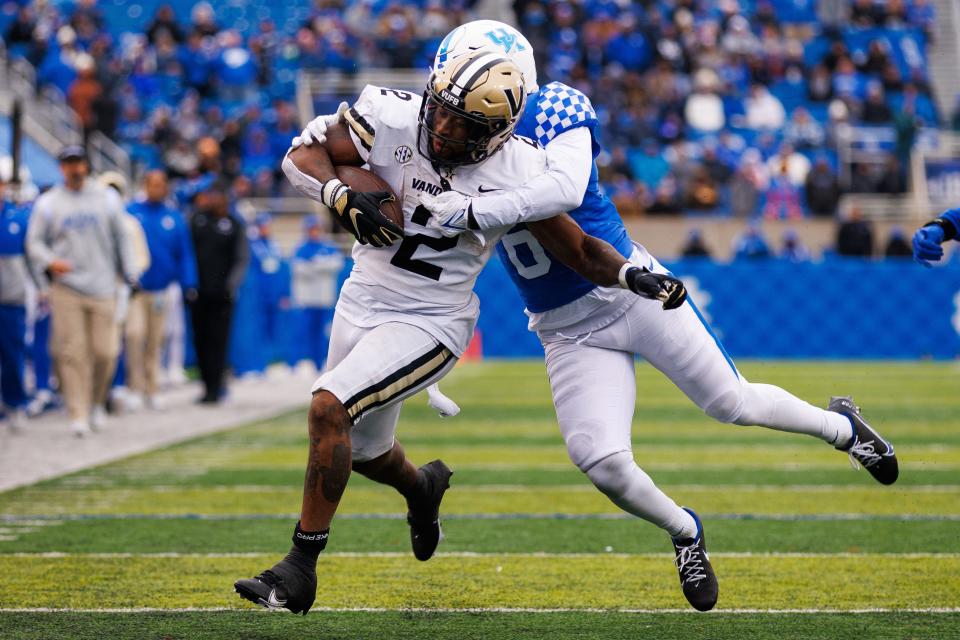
[{"x": 561, "y": 108}]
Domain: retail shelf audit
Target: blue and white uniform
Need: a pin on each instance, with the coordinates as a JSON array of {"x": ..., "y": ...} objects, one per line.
[{"x": 591, "y": 334}]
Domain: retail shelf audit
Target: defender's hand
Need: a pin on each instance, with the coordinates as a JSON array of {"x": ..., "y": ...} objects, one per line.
[
  {"x": 655, "y": 286},
  {"x": 359, "y": 213},
  {"x": 450, "y": 211},
  {"x": 926, "y": 244},
  {"x": 316, "y": 129}
]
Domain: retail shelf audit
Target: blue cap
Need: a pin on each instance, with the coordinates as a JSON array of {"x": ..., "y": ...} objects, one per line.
[
  {"x": 262, "y": 219},
  {"x": 311, "y": 222},
  {"x": 72, "y": 152}
]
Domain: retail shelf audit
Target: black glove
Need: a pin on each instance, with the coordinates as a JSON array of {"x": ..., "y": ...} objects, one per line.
[
  {"x": 359, "y": 213},
  {"x": 656, "y": 286}
]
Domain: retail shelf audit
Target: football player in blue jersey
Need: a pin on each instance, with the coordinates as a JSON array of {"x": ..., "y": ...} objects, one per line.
[
  {"x": 928, "y": 239},
  {"x": 591, "y": 334}
]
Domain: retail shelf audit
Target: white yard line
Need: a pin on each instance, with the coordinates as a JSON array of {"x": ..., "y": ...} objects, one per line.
[
  {"x": 492, "y": 610},
  {"x": 476, "y": 554}
]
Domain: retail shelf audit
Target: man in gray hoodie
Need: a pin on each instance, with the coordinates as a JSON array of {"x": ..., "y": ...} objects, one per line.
[{"x": 76, "y": 238}]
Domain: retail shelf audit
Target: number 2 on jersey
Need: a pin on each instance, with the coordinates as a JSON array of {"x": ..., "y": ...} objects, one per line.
[{"x": 403, "y": 258}]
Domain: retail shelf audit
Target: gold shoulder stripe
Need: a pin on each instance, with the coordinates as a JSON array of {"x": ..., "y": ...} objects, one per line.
[{"x": 360, "y": 127}]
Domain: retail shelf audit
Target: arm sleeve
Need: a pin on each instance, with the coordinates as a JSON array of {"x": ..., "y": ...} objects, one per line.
[
  {"x": 362, "y": 118},
  {"x": 38, "y": 251},
  {"x": 123, "y": 242},
  {"x": 952, "y": 217},
  {"x": 560, "y": 189},
  {"x": 235, "y": 277},
  {"x": 188, "y": 262}
]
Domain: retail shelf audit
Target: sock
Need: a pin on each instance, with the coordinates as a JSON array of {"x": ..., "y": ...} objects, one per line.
[
  {"x": 310, "y": 542},
  {"x": 768, "y": 406},
  {"x": 628, "y": 487}
]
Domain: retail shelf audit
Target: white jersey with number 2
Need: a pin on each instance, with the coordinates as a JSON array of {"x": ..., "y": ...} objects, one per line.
[{"x": 425, "y": 279}]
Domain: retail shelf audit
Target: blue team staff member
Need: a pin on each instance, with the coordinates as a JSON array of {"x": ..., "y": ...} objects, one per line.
[
  {"x": 928, "y": 240},
  {"x": 271, "y": 275},
  {"x": 316, "y": 264},
  {"x": 591, "y": 334},
  {"x": 171, "y": 260},
  {"x": 13, "y": 295}
]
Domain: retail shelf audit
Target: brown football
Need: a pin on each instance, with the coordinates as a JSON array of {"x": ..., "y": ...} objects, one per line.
[{"x": 362, "y": 180}]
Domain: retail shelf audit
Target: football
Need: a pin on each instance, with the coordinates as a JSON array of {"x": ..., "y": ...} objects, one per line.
[{"x": 363, "y": 180}]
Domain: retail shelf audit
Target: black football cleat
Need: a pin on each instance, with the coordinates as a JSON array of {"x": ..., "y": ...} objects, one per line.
[
  {"x": 697, "y": 579},
  {"x": 867, "y": 448},
  {"x": 289, "y": 584},
  {"x": 423, "y": 513}
]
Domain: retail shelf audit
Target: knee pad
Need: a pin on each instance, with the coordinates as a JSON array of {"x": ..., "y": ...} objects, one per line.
[
  {"x": 726, "y": 407},
  {"x": 613, "y": 474}
]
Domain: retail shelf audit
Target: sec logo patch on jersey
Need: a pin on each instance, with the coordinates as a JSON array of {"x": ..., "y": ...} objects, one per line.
[{"x": 403, "y": 154}]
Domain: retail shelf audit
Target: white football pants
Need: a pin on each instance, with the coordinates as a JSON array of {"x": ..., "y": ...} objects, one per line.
[{"x": 594, "y": 390}]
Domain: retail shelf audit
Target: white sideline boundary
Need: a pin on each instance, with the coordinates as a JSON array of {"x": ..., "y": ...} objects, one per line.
[
  {"x": 479, "y": 554},
  {"x": 507, "y": 610}
]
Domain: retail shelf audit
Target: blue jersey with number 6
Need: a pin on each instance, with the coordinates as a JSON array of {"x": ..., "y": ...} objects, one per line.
[{"x": 544, "y": 282}]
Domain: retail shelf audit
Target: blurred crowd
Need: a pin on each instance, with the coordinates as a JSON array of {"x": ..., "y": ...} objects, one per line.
[
  {"x": 732, "y": 106},
  {"x": 161, "y": 84},
  {"x": 726, "y": 106},
  {"x": 109, "y": 290}
]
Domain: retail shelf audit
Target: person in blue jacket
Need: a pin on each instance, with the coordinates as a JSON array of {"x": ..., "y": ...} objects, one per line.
[
  {"x": 272, "y": 278},
  {"x": 13, "y": 294},
  {"x": 928, "y": 240},
  {"x": 171, "y": 260},
  {"x": 316, "y": 265}
]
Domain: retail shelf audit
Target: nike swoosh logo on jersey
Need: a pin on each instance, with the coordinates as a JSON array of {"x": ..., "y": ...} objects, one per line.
[{"x": 482, "y": 190}]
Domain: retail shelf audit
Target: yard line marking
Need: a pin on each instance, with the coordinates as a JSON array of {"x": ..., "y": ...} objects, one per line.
[
  {"x": 688, "y": 610},
  {"x": 480, "y": 554},
  {"x": 217, "y": 517},
  {"x": 582, "y": 487}
]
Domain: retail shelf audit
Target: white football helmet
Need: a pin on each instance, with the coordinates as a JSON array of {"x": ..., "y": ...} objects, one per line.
[{"x": 492, "y": 35}]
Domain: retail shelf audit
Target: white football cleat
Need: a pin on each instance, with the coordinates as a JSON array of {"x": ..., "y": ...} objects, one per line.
[{"x": 80, "y": 428}]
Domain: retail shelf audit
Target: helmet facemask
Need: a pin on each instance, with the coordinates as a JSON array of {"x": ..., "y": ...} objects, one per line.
[{"x": 470, "y": 109}]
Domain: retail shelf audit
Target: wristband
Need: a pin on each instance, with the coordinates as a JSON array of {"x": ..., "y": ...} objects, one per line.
[
  {"x": 622, "y": 276},
  {"x": 332, "y": 190},
  {"x": 949, "y": 230}
]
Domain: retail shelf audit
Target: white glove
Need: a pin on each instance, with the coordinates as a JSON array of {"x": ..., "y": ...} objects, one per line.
[
  {"x": 449, "y": 212},
  {"x": 316, "y": 129},
  {"x": 446, "y": 407}
]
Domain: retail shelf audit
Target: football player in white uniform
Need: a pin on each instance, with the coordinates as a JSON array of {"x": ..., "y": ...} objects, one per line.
[
  {"x": 407, "y": 311},
  {"x": 590, "y": 335}
]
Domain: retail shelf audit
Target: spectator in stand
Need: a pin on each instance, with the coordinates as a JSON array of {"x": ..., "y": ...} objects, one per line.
[
  {"x": 77, "y": 237},
  {"x": 764, "y": 110},
  {"x": 695, "y": 246},
  {"x": 793, "y": 248},
  {"x": 204, "y": 20},
  {"x": 855, "y": 235},
  {"x": 84, "y": 92},
  {"x": 13, "y": 312},
  {"x": 922, "y": 15},
  {"x": 317, "y": 264},
  {"x": 820, "y": 85},
  {"x": 803, "y": 132},
  {"x": 236, "y": 70},
  {"x": 704, "y": 108},
  {"x": 702, "y": 193},
  {"x": 822, "y": 189},
  {"x": 19, "y": 34},
  {"x": 171, "y": 260},
  {"x": 666, "y": 198},
  {"x": 751, "y": 244},
  {"x": 220, "y": 243},
  {"x": 875, "y": 110},
  {"x": 898, "y": 246},
  {"x": 164, "y": 22},
  {"x": 788, "y": 162},
  {"x": 750, "y": 180},
  {"x": 893, "y": 180}
]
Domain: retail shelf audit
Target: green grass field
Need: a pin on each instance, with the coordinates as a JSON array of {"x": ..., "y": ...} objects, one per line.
[{"x": 804, "y": 546}]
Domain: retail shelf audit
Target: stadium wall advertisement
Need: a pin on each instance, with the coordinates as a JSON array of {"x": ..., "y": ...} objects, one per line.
[{"x": 837, "y": 309}]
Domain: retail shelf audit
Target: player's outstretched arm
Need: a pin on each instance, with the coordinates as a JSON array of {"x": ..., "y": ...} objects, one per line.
[
  {"x": 311, "y": 169},
  {"x": 928, "y": 239},
  {"x": 560, "y": 188},
  {"x": 597, "y": 261}
]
